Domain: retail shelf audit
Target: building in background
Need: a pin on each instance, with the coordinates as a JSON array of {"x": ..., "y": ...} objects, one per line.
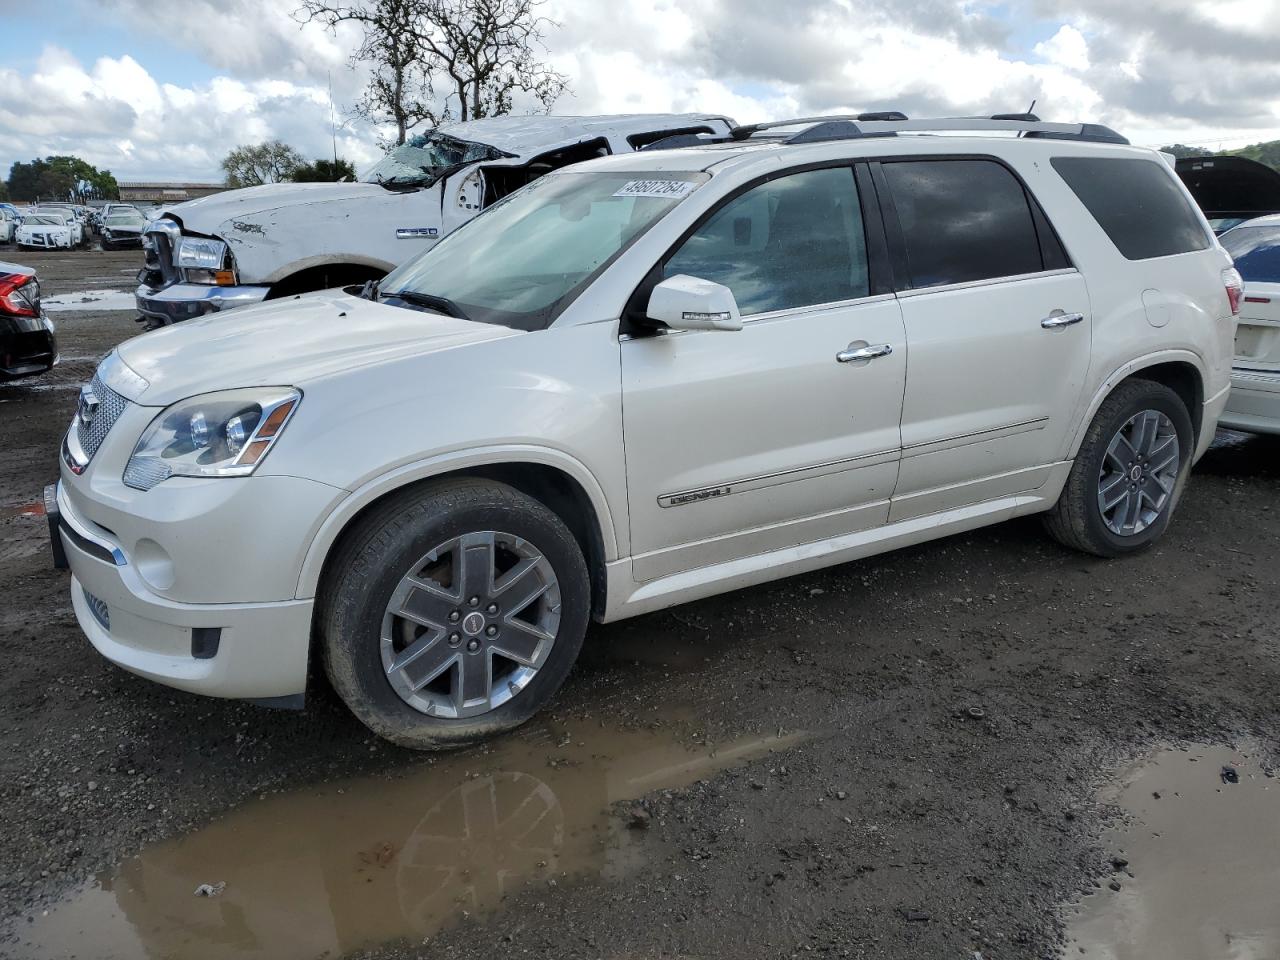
[{"x": 159, "y": 192}]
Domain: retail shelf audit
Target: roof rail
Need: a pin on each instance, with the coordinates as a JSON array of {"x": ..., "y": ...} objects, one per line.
[
  {"x": 742, "y": 133},
  {"x": 889, "y": 124}
]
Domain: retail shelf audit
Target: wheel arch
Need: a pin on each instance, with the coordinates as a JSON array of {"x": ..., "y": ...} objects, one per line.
[
  {"x": 1181, "y": 371},
  {"x": 559, "y": 482},
  {"x": 311, "y": 273}
]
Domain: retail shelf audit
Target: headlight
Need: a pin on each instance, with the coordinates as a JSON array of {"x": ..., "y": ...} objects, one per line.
[
  {"x": 200, "y": 252},
  {"x": 224, "y": 434}
]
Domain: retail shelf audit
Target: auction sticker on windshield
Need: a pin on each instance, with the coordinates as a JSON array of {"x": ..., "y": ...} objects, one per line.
[{"x": 662, "y": 189}]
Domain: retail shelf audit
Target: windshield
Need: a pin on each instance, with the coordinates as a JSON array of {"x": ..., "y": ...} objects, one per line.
[
  {"x": 124, "y": 220},
  {"x": 1256, "y": 251},
  {"x": 525, "y": 258},
  {"x": 47, "y": 220},
  {"x": 424, "y": 159}
]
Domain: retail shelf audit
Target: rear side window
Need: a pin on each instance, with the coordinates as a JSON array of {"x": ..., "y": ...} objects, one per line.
[
  {"x": 795, "y": 241},
  {"x": 1256, "y": 251},
  {"x": 1137, "y": 202},
  {"x": 963, "y": 220}
]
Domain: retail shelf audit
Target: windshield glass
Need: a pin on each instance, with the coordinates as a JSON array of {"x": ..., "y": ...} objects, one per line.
[
  {"x": 524, "y": 259},
  {"x": 124, "y": 220},
  {"x": 1256, "y": 251},
  {"x": 47, "y": 220},
  {"x": 424, "y": 159}
]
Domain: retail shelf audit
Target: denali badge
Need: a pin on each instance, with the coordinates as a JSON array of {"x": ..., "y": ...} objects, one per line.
[
  {"x": 693, "y": 496},
  {"x": 88, "y": 408}
]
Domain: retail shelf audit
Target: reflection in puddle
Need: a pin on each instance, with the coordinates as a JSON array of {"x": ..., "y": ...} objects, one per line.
[
  {"x": 321, "y": 872},
  {"x": 1205, "y": 859}
]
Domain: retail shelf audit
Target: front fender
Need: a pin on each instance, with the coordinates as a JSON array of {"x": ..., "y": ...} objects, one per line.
[{"x": 349, "y": 507}]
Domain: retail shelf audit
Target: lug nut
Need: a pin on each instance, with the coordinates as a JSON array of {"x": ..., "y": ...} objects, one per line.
[
  {"x": 491, "y": 631},
  {"x": 474, "y": 601},
  {"x": 454, "y": 639},
  {"x": 473, "y": 645},
  {"x": 453, "y": 617},
  {"x": 491, "y": 609}
]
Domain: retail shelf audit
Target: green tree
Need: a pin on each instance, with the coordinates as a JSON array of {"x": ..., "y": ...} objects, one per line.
[
  {"x": 323, "y": 171},
  {"x": 252, "y": 164},
  {"x": 1181, "y": 151},
  {"x": 61, "y": 178},
  {"x": 1268, "y": 153}
]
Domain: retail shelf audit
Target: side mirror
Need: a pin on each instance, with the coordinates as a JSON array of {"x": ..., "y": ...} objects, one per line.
[{"x": 688, "y": 303}]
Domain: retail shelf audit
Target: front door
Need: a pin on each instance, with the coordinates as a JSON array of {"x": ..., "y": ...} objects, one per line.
[
  {"x": 998, "y": 331},
  {"x": 787, "y": 431}
]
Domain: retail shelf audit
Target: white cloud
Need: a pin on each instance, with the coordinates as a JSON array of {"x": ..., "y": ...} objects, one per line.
[
  {"x": 1172, "y": 69},
  {"x": 1066, "y": 48}
]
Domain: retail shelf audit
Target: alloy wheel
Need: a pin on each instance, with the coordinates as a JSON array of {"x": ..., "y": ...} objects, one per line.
[
  {"x": 1138, "y": 473},
  {"x": 470, "y": 624}
]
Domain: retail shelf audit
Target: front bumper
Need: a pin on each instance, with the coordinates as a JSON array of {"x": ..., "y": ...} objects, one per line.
[
  {"x": 184, "y": 301},
  {"x": 243, "y": 650},
  {"x": 1254, "y": 403}
]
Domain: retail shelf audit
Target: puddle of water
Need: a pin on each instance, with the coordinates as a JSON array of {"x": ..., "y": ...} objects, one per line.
[
  {"x": 1205, "y": 857},
  {"x": 97, "y": 299},
  {"x": 324, "y": 871}
]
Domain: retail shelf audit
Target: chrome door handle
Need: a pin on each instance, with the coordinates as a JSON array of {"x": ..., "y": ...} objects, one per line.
[
  {"x": 1056, "y": 320},
  {"x": 854, "y": 354}
]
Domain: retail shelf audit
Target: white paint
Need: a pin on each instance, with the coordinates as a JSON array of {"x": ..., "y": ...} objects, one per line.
[
  {"x": 972, "y": 418},
  {"x": 80, "y": 300}
]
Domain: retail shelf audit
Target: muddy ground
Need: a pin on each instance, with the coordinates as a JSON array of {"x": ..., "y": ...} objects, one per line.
[{"x": 965, "y": 704}]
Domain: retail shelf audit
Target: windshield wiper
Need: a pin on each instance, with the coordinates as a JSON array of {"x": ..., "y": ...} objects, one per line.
[{"x": 430, "y": 301}]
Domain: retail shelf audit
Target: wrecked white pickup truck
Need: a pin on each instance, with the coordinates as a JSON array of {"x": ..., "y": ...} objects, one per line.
[{"x": 244, "y": 246}]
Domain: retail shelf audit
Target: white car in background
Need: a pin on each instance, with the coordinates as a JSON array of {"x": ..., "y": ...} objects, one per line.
[
  {"x": 8, "y": 225},
  {"x": 45, "y": 231},
  {"x": 69, "y": 217},
  {"x": 1254, "y": 404},
  {"x": 239, "y": 247}
]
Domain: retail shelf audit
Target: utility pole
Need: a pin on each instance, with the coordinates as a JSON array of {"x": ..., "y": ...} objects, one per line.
[{"x": 333, "y": 132}]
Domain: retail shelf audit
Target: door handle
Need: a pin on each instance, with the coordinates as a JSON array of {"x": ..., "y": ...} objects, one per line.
[
  {"x": 1060, "y": 319},
  {"x": 854, "y": 354}
]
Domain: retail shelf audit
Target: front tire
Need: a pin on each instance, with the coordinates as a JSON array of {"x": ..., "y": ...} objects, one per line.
[
  {"x": 453, "y": 612},
  {"x": 1129, "y": 473}
]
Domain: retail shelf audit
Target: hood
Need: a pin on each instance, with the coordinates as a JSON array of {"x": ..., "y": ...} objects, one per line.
[
  {"x": 207, "y": 214},
  {"x": 288, "y": 343},
  {"x": 1231, "y": 186}
]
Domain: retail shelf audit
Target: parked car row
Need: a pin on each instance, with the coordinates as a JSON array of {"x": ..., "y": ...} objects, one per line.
[
  {"x": 703, "y": 357},
  {"x": 67, "y": 226}
]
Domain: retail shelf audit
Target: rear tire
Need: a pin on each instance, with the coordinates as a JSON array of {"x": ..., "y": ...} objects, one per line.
[
  {"x": 1129, "y": 473},
  {"x": 425, "y": 629}
]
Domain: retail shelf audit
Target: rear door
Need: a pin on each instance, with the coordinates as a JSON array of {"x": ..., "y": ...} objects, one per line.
[{"x": 998, "y": 332}]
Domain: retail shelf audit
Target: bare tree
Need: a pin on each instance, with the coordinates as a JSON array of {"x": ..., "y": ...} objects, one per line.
[
  {"x": 400, "y": 90},
  {"x": 482, "y": 52},
  {"x": 486, "y": 48},
  {"x": 252, "y": 164}
]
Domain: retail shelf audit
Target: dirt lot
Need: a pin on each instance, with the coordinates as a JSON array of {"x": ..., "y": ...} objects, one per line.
[{"x": 960, "y": 707}]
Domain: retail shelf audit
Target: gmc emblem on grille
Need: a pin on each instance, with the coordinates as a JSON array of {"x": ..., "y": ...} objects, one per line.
[{"x": 88, "y": 408}]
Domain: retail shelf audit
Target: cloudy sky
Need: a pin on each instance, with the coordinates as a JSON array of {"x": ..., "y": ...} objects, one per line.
[{"x": 155, "y": 90}]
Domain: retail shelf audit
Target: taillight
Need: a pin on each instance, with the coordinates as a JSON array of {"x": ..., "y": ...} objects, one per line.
[
  {"x": 1234, "y": 285},
  {"x": 19, "y": 295}
]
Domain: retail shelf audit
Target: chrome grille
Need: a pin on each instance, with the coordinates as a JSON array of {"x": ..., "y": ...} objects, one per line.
[{"x": 110, "y": 407}]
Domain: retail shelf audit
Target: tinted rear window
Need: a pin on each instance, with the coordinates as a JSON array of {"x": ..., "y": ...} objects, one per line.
[
  {"x": 962, "y": 220},
  {"x": 1137, "y": 202},
  {"x": 1256, "y": 251}
]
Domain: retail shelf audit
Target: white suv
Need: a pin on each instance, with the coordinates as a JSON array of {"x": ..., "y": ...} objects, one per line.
[{"x": 644, "y": 380}]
